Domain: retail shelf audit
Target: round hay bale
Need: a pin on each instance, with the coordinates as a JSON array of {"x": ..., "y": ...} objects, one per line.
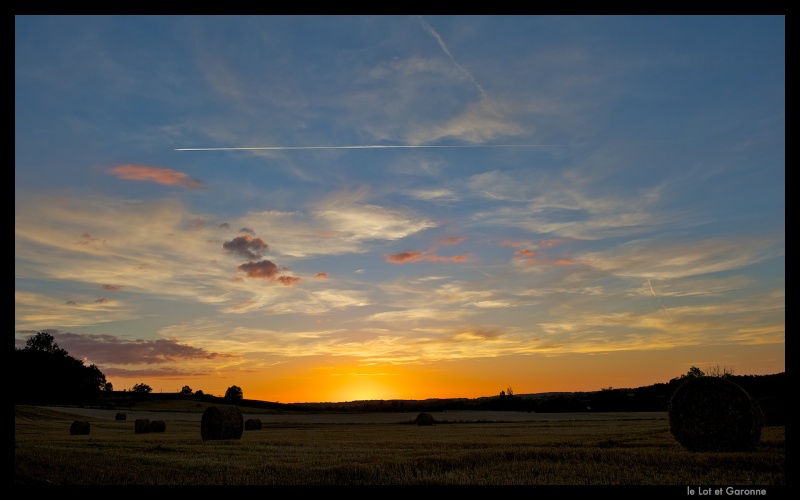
[
  {"x": 158, "y": 426},
  {"x": 222, "y": 422},
  {"x": 121, "y": 416},
  {"x": 141, "y": 426},
  {"x": 252, "y": 424},
  {"x": 714, "y": 414},
  {"x": 79, "y": 427},
  {"x": 424, "y": 419}
]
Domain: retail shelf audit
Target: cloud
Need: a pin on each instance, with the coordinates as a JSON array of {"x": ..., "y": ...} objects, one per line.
[
  {"x": 287, "y": 280},
  {"x": 659, "y": 260},
  {"x": 263, "y": 269},
  {"x": 433, "y": 194},
  {"x": 32, "y": 310},
  {"x": 417, "y": 256},
  {"x": 246, "y": 246},
  {"x": 103, "y": 349},
  {"x": 450, "y": 240},
  {"x": 321, "y": 275},
  {"x": 477, "y": 124},
  {"x": 156, "y": 174},
  {"x": 112, "y": 288}
]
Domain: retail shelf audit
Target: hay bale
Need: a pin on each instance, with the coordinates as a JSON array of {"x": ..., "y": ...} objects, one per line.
[
  {"x": 141, "y": 426},
  {"x": 121, "y": 416},
  {"x": 424, "y": 419},
  {"x": 158, "y": 426},
  {"x": 252, "y": 424},
  {"x": 79, "y": 427},
  {"x": 714, "y": 414},
  {"x": 222, "y": 422}
]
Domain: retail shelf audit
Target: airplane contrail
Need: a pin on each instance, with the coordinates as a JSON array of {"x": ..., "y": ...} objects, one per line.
[
  {"x": 438, "y": 38},
  {"x": 284, "y": 148},
  {"x": 659, "y": 300}
]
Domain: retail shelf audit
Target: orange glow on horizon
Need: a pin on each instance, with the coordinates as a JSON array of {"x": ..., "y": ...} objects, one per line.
[{"x": 307, "y": 380}]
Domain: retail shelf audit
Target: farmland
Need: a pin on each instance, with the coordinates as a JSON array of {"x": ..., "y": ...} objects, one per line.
[{"x": 461, "y": 448}]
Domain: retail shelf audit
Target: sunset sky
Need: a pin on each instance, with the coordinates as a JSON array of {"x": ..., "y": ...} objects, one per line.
[{"x": 337, "y": 208}]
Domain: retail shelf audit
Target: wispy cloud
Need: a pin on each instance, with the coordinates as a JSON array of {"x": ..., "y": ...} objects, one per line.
[
  {"x": 417, "y": 256},
  {"x": 156, "y": 174}
]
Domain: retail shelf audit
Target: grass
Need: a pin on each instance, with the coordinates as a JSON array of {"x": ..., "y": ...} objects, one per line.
[{"x": 577, "y": 452}]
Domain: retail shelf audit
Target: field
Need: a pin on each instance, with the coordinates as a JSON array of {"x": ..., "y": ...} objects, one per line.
[{"x": 461, "y": 448}]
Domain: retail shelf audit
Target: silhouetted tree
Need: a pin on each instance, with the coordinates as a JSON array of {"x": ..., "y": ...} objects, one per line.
[
  {"x": 186, "y": 390},
  {"x": 142, "y": 388},
  {"x": 44, "y": 342},
  {"x": 234, "y": 392},
  {"x": 51, "y": 375},
  {"x": 694, "y": 372}
]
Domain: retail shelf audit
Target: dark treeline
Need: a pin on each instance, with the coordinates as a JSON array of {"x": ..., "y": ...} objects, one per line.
[
  {"x": 52, "y": 376},
  {"x": 49, "y": 375},
  {"x": 770, "y": 391}
]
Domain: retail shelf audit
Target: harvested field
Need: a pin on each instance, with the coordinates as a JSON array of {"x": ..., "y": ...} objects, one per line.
[{"x": 553, "y": 449}]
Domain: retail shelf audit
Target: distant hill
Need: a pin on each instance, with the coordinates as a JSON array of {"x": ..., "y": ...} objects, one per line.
[{"x": 770, "y": 390}]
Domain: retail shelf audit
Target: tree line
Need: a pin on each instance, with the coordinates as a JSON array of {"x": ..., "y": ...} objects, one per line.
[
  {"x": 48, "y": 374},
  {"x": 52, "y": 376}
]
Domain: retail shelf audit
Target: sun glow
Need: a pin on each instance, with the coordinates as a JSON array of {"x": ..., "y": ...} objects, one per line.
[{"x": 363, "y": 387}]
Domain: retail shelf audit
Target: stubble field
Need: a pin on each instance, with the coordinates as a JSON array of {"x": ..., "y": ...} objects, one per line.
[{"x": 461, "y": 448}]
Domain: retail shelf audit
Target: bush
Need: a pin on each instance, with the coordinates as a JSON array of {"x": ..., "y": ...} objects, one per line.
[{"x": 714, "y": 414}]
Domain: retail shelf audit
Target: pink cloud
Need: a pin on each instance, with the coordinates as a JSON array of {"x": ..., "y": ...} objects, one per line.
[
  {"x": 156, "y": 174},
  {"x": 321, "y": 275},
  {"x": 549, "y": 243},
  {"x": 416, "y": 256},
  {"x": 403, "y": 257},
  {"x": 288, "y": 280},
  {"x": 246, "y": 246},
  {"x": 450, "y": 240},
  {"x": 264, "y": 269},
  {"x": 267, "y": 270},
  {"x": 112, "y": 288}
]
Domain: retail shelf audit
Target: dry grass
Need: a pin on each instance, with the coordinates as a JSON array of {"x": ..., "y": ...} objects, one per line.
[{"x": 565, "y": 452}]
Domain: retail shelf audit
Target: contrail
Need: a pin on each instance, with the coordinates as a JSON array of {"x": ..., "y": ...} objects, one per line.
[
  {"x": 284, "y": 148},
  {"x": 435, "y": 35},
  {"x": 659, "y": 300}
]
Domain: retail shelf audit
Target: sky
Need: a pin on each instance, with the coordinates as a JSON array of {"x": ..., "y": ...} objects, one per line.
[{"x": 339, "y": 208}]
